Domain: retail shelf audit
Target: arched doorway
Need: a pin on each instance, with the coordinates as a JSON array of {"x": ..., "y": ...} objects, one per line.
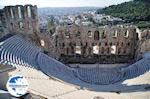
[{"x": 96, "y": 35}]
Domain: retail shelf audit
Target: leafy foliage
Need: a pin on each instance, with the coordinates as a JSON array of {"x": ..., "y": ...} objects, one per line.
[{"x": 133, "y": 11}]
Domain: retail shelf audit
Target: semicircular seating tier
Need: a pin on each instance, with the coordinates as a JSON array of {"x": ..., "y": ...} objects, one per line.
[{"x": 16, "y": 51}]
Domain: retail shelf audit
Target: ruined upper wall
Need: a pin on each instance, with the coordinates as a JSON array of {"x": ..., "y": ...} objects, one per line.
[
  {"x": 96, "y": 33},
  {"x": 21, "y": 19},
  {"x": 145, "y": 34},
  {"x": 143, "y": 44},
  {"x": 2, "y": 18},
  {"x": 20, "y": 12}
]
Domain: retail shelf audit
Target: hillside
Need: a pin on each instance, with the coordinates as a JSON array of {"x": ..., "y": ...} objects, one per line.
[{"x": 137, "y": 12}]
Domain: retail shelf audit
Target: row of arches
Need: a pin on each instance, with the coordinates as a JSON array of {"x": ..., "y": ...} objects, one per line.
[
  {"x": 105, "y": 44},
  {"x": 97, "y": 35},
  {"x": 15, "y": 12},
  {"x": 94, "y": 50},
  {"x": 21, "y": 25}
]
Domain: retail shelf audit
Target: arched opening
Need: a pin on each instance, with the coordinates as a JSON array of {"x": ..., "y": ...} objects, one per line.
[
  {"x": 103, "y": 35},
  {"x": 12, "y": 26},
  {"x": 42, "y": 42},
  {"x": 128, "y": 44},
  {"x": 67, "y": 50},
  {"x": 67, "y": 34},
  {"x": 78, "y": 34},
  {"x": 126, "y": 34},
  {"x": 108, "y": 50},
  {"x": 96, "y": 35},
  {"x": 89, "y": 34},
  {"x": 106, "y": 44},
  {"x": 81, "y": 43},
  {"x": 89, "y": 50},
  {"x": 96, "y": 49},
  {"x": 110, "y": 43},
  {"x": 122, "y": 44},
  {"x": 19, "y": 12},
  {"x": 29, "y": 11},
  {"x": 113, "y": 49},
  {"x": 78, "y": 50},
  {"x": 63, "y": 45},
  {"x": 137, "y": 36},
  {"x": 119, "y": 50},
  {"x": 72, "y": 50},
  {"x": 86, "y": 44},
  {"x": 115, "y": 33},
  {"x": 11, "y": 13},
  {"x": 100, "y": 44},
  {"x": 102, "y": 50},
  {"x": 84, "y": 50},
  {"x": 20, "y": 25}
]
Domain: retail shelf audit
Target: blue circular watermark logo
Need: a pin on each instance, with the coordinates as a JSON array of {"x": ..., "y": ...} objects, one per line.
[{"x": 17, "y": 85}]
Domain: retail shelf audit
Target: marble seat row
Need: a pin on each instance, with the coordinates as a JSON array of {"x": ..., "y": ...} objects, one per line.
[
  {"x": 99, "y": 75},
  {"x": 16, "y": 51},
  {"x": 106, "y": 76},
  {"x": 54, "y": 68},
  {"x": 140, "y": 67}
]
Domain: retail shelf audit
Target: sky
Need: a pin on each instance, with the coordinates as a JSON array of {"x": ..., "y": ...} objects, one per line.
[{"x": 63, "y": 3}]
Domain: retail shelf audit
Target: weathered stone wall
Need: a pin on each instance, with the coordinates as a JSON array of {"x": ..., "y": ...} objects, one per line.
[
  {"x": 104, "y": 39},
  {"x": 47, "y": 43},
  {"x": 21, "y": 20},
  {"x": 3, "y": 29},
  {"x": 143, "y": 44}
]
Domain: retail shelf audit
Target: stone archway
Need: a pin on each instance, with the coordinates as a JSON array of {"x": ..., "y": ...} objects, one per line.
[{"x": 96, "y": 35}]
